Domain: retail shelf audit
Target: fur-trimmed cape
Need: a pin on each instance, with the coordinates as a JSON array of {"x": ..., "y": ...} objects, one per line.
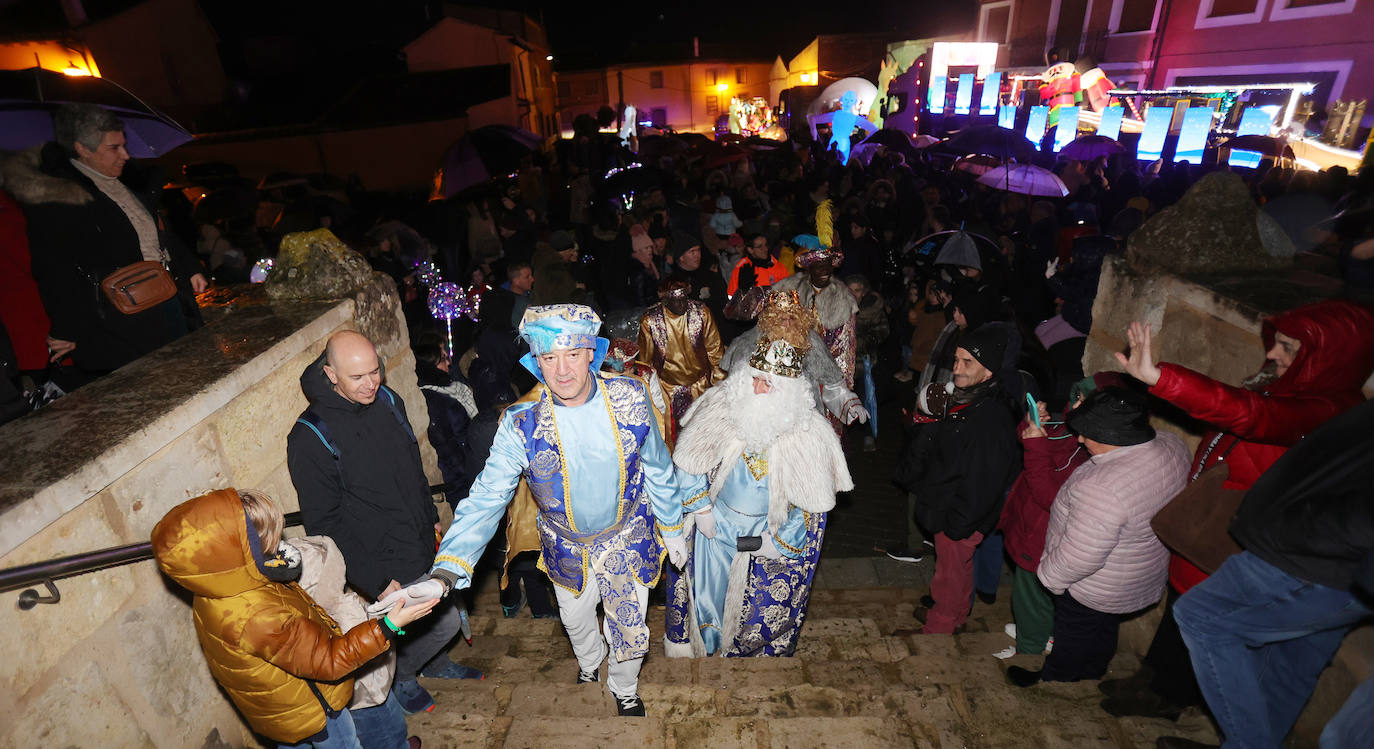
[{"x": 806, "y": 465}]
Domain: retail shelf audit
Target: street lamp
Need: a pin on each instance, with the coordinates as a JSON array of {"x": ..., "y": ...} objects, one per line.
[{"x": 722, "y": 87}]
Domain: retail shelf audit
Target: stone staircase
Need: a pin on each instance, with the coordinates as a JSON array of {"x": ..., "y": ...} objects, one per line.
[{"x": 851, "y": 684}]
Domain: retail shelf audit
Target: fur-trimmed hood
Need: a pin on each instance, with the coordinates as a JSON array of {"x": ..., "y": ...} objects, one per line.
[
  {"x": 806, "y": 465},
  {"x": 26, "y": 175},
  {"x": 834, "y": 304}
]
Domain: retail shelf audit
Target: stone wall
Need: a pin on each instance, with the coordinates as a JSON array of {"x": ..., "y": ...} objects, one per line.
[
  {"x": 116, "y": 662},
  {"x": 1211, "y": 324}
]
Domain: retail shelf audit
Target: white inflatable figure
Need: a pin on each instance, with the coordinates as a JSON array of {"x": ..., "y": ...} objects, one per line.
[
  {"x": 735, "y": 115},
  {"x": 842, "y": 123},
  {"x": 628, "y": 125}
]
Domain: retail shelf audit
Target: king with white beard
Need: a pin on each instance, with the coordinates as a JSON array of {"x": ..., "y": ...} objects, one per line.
[{"x": 765, "y": 466}]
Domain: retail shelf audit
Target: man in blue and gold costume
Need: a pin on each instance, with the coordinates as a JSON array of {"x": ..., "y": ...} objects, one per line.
[
  {"x": 771, "y": 465},
  {"x": 608, "y": 500}
]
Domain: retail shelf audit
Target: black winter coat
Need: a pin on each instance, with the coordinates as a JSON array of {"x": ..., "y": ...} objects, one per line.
[
  {"x": 1312, "y": 514},
  {"x": 961, "y": 467},
  {"x": 77, "y": 236},
  {"x": 382, "y": 516}
]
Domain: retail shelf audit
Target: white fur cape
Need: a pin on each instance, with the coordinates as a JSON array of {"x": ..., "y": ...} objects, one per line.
[{"x": 806, "y": 466}]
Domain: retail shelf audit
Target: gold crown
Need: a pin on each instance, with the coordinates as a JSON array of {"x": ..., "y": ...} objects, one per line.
[
  {"x": 785, "y": 318},
  {"x": 778, "y": 357}
]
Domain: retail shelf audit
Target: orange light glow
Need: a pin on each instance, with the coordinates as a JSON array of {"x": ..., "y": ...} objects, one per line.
[
  {"x": 75, "y": 71},
  {"x": 722, "y": 87}
]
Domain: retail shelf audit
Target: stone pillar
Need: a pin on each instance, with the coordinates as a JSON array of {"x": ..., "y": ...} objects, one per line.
[{"x": 116, "y": 663}]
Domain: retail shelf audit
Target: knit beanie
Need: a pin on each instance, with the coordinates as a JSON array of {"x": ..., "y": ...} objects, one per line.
[
  {"x": 988, "y": 345},
  {"x": 681, "y": 243}
]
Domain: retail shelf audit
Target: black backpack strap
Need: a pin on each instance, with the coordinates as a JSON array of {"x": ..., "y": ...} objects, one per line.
[
  {"x": 313, "y": 421},
  {"x": 396, "y": 411}
]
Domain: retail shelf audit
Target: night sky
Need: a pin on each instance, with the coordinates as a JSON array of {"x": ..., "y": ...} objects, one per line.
[{"x": 583, "y": 33}]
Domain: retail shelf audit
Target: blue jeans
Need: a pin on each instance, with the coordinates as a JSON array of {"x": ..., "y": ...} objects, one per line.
[
  {"x": 1351, "y": 727},
  {"x": 427, "y": 638},
  {"x": 381, "y": 726},
  {"x": 987, "y": 564},
  {"x": 340, "y": 734},
  {"x": 1259, "y": 638}
]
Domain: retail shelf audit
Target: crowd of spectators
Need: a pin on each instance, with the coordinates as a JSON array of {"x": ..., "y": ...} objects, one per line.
[{"x": 968, "y": 298}]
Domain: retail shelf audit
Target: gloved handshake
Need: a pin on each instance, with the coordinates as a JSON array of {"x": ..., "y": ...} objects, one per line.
[{"x": 425, "y": 589}]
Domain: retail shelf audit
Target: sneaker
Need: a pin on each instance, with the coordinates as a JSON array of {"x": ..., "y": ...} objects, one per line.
[
  {"x": 510, "y": 611},
  {"x": 631, "y": 706},
  {"x": 588, "y": 677},
  {"x": 1010, "y": 629},
  {"x": 988, "y": 598},
  {"x": 904, "y": 554},
  {"x": 450, "y": 670},
  {"x": 928, "y": 601},
  {"x": 413, "y": 697},
  {"x": 1005, "y": 653},
  {"x": 1022, "y": 677},
  {"x": 413, "y": 742}
]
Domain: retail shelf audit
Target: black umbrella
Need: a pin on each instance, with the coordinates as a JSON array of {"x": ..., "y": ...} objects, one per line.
[
  {"x": 991, "y": 140},
  {"x": 633, "y": 179},
  {"x": 486, "y": 153},
  {"x": 29, "y": 97},
  {"x": 895, "y": 140},
  {"x": 953, "y": 247}
]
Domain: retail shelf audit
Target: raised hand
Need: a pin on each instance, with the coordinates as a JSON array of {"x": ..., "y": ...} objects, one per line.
[{"x": 1140, "y": 364}]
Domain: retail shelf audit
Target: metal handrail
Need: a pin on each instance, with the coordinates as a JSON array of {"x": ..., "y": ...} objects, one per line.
[{"x": 91, "y": 561}]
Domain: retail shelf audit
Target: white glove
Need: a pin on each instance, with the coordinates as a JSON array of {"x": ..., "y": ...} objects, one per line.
[
  {"x": 677, "y": 551},
  {"x": 1051, "y": 268},
  {"x": 768, "y": 549},
  {"x": 415, "y": 593},
  {"x": 706, "y": 522},
  {"x": 855, "y": 411}
]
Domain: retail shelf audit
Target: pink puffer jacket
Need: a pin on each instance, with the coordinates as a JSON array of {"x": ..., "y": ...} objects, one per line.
[{"x": 1099, "y": 545}]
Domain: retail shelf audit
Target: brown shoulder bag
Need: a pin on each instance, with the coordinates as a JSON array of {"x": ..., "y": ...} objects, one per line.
[
  {"x": 1195, "y": 523},
  {"x": 138, "y": 286}
]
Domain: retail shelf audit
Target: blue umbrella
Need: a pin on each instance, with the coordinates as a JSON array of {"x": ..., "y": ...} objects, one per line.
[{"x": 29, "y": 97}]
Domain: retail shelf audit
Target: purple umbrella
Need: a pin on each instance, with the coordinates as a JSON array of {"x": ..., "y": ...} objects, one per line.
[
  {"x": 1089, "y": 147},
  {"x": 484, "y": 154},
  {"x": 29, "y": 97}
]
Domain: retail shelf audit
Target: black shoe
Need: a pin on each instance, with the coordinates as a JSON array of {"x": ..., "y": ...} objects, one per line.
[
  {"x": 1022, "y": 677},
  {"x": 630, "y": 706},
  {"x": 1136, "y": 682},
  {"x": 927, "y": 601},
  {"x": 588, "y": 677},
  {"x": 1178, "y": 742},
  {"x": 1145, "y": 704},
  {"x": 988, "y": 598},
  {"x": 920, "y": 613}
]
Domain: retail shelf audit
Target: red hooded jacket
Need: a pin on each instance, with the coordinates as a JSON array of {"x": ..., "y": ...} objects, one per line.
[{"x": 1258, "y": 426}]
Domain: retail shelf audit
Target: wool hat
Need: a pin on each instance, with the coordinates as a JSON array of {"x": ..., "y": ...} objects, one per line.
[
  {"x": 681, "y": 243},
  {"x": 563, "y": 240},
  {"x": 987, "y": 345},
  {"x": 1113, "y": 416},
  {"x": 723, "y": 203},
  {"x": 640, "y": 240},
  {"x": 552, "y": 327}
]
